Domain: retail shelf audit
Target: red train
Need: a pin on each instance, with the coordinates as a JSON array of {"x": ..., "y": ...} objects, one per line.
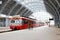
[{"x": 21, "y": 23}]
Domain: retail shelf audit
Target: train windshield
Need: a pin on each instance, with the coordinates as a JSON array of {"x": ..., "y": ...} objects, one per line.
[
  {"x": 16, "y": 21},
  {"x": 12, "y": 21}
]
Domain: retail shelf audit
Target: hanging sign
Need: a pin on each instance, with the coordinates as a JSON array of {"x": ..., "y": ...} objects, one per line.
[{"x": 51, "y": 19}]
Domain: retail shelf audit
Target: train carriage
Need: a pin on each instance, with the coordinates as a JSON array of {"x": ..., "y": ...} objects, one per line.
[{"x": 18, "y": 23}]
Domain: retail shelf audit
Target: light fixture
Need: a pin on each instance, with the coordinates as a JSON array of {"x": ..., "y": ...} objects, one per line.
[
  {"x": 0, "y": 2},
  {"x": 18, "y": 0}
]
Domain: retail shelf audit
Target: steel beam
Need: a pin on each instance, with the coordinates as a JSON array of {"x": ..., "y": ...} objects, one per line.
[
  {"x": 5, "y": 5},
  {"x": 23, "y": 12},
  {"x": 12, "y": 8},
  {"x": 19, "y": 10}
]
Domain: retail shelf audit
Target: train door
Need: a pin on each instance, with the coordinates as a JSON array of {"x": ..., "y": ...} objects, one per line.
[
  {"x": 24, "y": 24},
  {"x": 27, "y": 24}
]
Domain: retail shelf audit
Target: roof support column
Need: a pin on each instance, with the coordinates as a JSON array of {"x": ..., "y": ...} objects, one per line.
[
  {"x": 59, "y": 21},
  {"x": 7, "y": 22},
  {"x": 56, "y": 19}
]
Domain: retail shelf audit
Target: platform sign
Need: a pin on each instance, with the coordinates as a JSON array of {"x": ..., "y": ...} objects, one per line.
[
  {"x": 0, "y": 2},
  {"x": 51, "y": 19}
]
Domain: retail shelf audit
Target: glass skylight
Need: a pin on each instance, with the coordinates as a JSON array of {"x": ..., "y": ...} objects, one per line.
[
  {"x": 41, "y": 16},
  {"x": 38, "y": 9},
  {"x": 33, "y": 5}
]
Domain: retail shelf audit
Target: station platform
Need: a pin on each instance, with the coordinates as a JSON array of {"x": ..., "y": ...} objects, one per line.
[
  {"x": 5, "y": 29},
  {"x": 2, "y": 29},
  {"x": 39, "y": 33}
]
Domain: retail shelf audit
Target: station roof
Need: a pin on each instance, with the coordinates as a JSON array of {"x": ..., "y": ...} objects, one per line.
[
  {"x": 27, "y": 7},
  {"x": 53, "y": 7},
  {"x": 11, "y": 7}
]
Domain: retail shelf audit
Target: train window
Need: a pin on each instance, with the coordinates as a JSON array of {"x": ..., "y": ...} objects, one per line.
[
  {"x": 12, "y": 21},
  {"x": 25, "y": 21},
  {"x": 18, "y": 21}
]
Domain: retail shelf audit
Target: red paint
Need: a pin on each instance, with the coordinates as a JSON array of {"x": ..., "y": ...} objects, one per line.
[
  {"x": 25, "y": 25},
  {"x": 19, "y": 27}
]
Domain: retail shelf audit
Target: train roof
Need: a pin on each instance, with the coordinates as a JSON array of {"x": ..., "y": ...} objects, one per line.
[{"x": 19, "y": 17}]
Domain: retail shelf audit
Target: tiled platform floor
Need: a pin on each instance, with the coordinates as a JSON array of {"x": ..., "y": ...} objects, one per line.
[
  {"x": 40, "y": 33},
  {"x": 4, "y": 29}
]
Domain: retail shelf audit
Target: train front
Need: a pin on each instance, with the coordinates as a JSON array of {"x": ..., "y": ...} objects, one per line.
[{"x": 15, "y": 24}]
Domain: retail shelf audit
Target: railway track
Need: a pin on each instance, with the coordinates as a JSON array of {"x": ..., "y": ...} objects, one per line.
[
  {"x": 7, "y": 31},
  {"x": 10, "y": 30}
]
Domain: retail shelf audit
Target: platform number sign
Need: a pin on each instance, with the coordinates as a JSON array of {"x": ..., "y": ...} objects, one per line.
[{"x": 0, "y": 2}]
